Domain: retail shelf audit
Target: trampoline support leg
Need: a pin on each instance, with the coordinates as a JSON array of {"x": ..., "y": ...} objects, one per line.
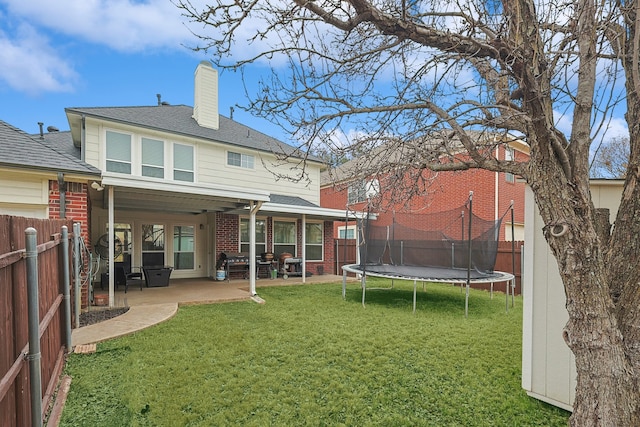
[
  {"x": 506, "y": 302},
  {"x": 414, "y": 295},
  {"x": 344, "y": 284}
]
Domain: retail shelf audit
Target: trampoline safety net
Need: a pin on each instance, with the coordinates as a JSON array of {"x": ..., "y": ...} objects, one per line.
[{"x": 439, "y": 239}]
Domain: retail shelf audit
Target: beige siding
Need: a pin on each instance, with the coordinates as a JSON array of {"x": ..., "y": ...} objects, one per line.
[
  {"x": 548, "y": 366},
  {"x": 24, "y": 195},
  {"x": 212, "y": 168},
  {"x": 93, "y": 151},
  {"x": 23, "y": 189},
  {"x": 211, "y": 163}
]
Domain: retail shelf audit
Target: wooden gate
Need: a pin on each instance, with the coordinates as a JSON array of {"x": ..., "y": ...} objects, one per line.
[
  {"x": 15, "y": 395},
  {"x": 345, "y": 253}
]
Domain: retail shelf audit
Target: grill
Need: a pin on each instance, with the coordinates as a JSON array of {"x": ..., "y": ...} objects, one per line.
[{"x": 237, "y": 264}]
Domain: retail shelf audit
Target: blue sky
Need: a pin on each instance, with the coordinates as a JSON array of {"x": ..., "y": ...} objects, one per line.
[{"x": 100, "y": 53}]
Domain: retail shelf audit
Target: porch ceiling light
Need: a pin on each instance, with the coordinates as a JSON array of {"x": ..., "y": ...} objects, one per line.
[{"x": 97, "y": 186}]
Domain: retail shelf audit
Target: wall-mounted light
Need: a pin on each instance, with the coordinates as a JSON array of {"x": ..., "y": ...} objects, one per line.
[{"x": 97, "y": 186}]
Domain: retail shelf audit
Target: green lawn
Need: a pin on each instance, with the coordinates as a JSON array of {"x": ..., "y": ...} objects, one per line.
[{"x": 307, "y": 357}]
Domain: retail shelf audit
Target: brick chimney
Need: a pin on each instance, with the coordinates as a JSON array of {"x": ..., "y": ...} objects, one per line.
[{"x": 205, "y": 107}]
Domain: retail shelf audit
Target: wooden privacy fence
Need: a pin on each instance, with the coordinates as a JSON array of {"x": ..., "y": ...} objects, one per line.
[
  {"x": 16, "y": 358},
  {"x": 345, "y": 253}
]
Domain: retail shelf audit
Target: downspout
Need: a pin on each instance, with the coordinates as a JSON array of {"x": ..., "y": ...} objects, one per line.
[
  {"x": 111, "y": 250},
  {"x": 304, "y": 248},
  {"x": 62, "y": 190},
  {"x": 83, "y": 133},
  {"x": 253, "y": 210}
]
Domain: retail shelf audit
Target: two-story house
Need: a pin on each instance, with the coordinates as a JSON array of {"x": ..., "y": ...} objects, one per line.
[
  {"x": 179, "y": 185},
  {"x": 182, "y": 184}
]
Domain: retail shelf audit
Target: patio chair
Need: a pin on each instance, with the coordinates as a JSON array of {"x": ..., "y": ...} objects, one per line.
[{"x": 125, "y": 277}]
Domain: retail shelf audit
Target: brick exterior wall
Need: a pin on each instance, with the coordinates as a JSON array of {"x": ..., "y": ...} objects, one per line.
[
  {"x": 448, "y": 190},
  {"x": 228, "y": 240},
  {"x": 77, "y": 206}
]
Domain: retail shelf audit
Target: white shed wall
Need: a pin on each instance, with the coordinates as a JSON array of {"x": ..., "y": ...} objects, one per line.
[{"x": 548, "y": 366}]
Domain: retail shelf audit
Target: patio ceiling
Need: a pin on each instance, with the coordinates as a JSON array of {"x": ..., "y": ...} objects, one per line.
[
  {"x": 132, "y": 194},
  {"x": 154, "y": 200}
]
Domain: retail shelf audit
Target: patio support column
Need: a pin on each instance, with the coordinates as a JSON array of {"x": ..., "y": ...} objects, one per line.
[
  {"x": 304, "y": 248},
  {"x": 253, "y": 209},
  {"x": 112, "y": 275}
]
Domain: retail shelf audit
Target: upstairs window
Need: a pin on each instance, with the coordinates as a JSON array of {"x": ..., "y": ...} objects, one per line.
[
  {"x": 360, "y": 191},
  {"x": 240, "y": 160},
  {"x": 118, "y": 152},
  {"x": 508, "y": 155},
  {"x": 152, "y": 158},
  {"x": 183, "y": 163}
]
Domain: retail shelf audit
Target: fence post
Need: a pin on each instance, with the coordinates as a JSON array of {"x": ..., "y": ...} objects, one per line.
[
  {"x": 76, "y": 271},
  {"x": 66, "y": 284},
  {"x": 33, "y": 356}
]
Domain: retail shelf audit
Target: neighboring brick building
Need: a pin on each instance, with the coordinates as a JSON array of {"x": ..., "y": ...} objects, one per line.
[{"x": 492, "y": 195}]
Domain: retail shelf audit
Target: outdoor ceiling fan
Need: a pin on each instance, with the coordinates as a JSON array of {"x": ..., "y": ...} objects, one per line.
[{"x": 102, "y": 246}]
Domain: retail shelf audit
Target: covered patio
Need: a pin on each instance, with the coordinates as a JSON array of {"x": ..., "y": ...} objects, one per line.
[{"x": 204, "y": 290}]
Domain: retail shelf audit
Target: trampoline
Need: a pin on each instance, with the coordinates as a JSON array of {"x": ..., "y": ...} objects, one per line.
[{"x": 439, "y": 250}]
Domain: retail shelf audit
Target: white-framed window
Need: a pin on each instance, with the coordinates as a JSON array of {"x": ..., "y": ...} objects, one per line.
[
  {"x": 284, "y": 237},
  {"x": 152, "y": 157},
  {"x": 360, "y": 191},
  {"x": 508, "y": 155},
  {"x": 184, "y": 247},
  {"x": 153, "y": 245},
  {"x": 124, "y": 233},
  {"x": 118, "y": 152},
  {"x": 261, "y": 235},
  {"x": 314, "y": 239},
  {"x": 240, "y": 160},
  {"x": 183, "y": 162},
  {"x": 347, "y": 232}
]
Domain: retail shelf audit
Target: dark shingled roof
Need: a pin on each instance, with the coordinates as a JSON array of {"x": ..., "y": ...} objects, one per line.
[
  {"x": 178, "y": 119},
  {"x": 291, "y": 200},
  {"x": 20, "y": 150},
  {"x": 61, "y": 142}
]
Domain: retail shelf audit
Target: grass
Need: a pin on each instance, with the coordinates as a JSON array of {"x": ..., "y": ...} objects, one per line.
[{"x": 307, "y": 357}]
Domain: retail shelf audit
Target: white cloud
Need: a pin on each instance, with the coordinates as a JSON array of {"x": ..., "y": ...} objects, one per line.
[
  {"x": 123, "y": 25},
  {"x": 31, "y": 65},
  {"x": 616, "y": 128},
  {"x": 35, "y": 36}
]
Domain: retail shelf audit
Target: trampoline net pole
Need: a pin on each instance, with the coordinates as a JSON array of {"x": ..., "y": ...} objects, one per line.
[{"x": 466, "y": 299}]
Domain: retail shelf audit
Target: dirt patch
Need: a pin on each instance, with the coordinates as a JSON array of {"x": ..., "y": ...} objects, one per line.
[{"x": 97, "y": 315}]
